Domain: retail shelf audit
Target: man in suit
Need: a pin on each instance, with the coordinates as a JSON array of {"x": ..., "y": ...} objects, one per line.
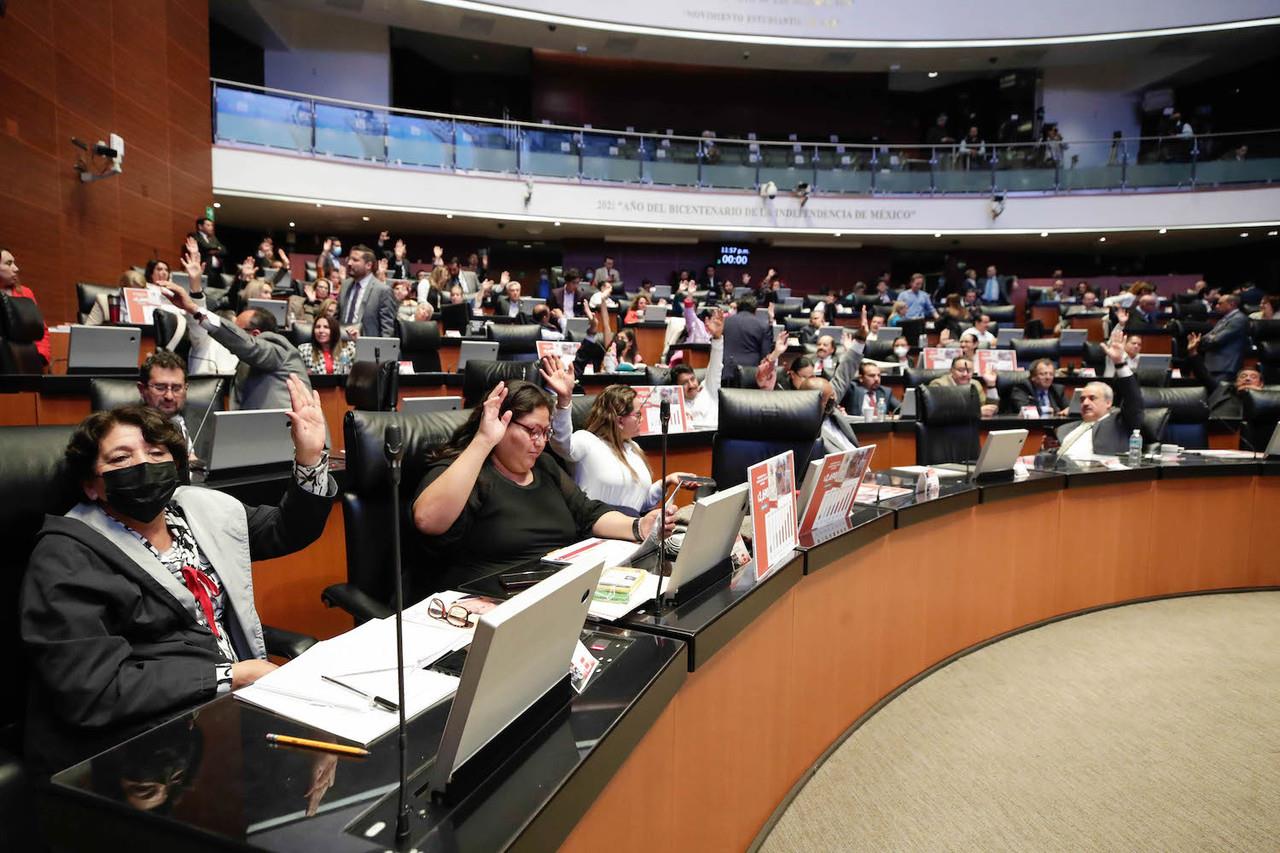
[
  {"x": 710, "y": 281},
  {"x": 748, "y": 339},
  {"x": 994, "y": 288},
  {"x": 1225, "y": 344},
  {"x": 508, "y": 304},
  {"x": 1102, "y": 428},
  {"x": 569, "y": 300},
  {"x": 1224, "y": 398},
  {"x": 1039, "y": 390},
  {"x": 608, "y": 273},
  {"x": 366, "y": 306},
  {"x": 961, "y": 374},
  {"x": 212, "y": 252},
  {"x": 868, "y": 385},
  {"x": 267, "y": 358}
]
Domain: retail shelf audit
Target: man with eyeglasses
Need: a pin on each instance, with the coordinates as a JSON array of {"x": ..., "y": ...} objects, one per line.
[{"x": 162, "y": 382}]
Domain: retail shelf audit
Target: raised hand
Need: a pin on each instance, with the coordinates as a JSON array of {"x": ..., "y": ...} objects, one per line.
[
  {"x": 1115, "y": 347},
  {"x": 437, "y": 252},
  {"x": 863, "y": 318},
  {"x": 1122, "y": 317},
  {"x": 557, "y": 376},
  {"x": 846, "y": 340},
  {"x": 505, "y": 278},
  {"x": 191, "y": 264},
  {"x": 179, "y": 297},
  {"x": 766, "y": 374},
  {"x": 715, "y": 324},
  {"x": 306, "y": 421},
  {"x": 248, "y": 269},
  {"x": 326, "y": 247},
  {"x": 780, "y": 345},
  {"x": 191, "y": 247},
  {"x": 1193, "y": 342},
  {"x": 283, "y": 258},
  {"x": 493, "y": 424}
]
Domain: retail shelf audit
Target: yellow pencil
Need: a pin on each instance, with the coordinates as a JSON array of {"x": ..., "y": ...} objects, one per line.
[{"x": 340, "y": 748}]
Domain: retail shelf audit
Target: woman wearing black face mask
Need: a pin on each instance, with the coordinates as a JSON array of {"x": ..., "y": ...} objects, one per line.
[{"x": 138, "y": 603}]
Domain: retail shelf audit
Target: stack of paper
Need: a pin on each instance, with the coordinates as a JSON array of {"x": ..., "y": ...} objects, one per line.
[{"x": 614, "y": 552}]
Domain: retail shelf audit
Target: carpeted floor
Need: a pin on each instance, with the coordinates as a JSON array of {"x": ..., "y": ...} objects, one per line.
[{"x": 1149, "y": 727}]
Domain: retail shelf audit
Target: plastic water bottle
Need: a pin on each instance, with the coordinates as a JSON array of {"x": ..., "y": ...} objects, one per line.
[
  {"x": 1135, "y": 447},
  {"x": 881, "y": 410}
]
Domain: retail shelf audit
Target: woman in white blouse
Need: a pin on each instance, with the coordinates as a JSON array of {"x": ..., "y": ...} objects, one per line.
[{"x": 607, "y": 463}]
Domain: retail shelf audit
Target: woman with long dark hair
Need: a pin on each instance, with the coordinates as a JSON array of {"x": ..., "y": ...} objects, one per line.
[
  {"x": 492, "y": 499},
  {"x": 325, "y": 353}
]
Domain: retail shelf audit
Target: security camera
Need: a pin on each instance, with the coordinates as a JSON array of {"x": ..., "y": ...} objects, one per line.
[
  {"x": 803, "y": 190},
  {"x": 551, "y": 28},
  {"x": 110, "y": 150},
  {"x": 769, "y": 190},
  {"x": 746, "y": 54},
  {"x": 997, "y": 205},
  {"x": 528, "y": 190}
]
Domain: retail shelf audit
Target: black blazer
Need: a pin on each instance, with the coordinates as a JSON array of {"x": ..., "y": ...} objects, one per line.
[
  {"x": 747, "y": 340},
  {"x": 1111, "y": 435},
  {"x": 1023, "y": 394},
  {"x": 556, "y": 301}
]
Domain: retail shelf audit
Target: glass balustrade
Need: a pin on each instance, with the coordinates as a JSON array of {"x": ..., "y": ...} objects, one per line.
[{"x": 252, "y": 116}]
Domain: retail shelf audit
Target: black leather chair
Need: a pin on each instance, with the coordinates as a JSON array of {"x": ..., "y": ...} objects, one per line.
[
  {"x": 87, "y": 294},
  {"x": 420, "y": 344},
  {"x": 911, "y": 330},
  {"x": 1264, "y": 330},
  {"x": 743, "y": 376},
  {"x": 21, "y": 327},
  {"x": 579, "y": 409},
  {"x": 1269, "y": 362},
  {"x": 171, "y": 332},
  {"x": 1152, "y": 377},
  {"x": 368, "y": 514},
  {"x": 480, "y": 376},
  {"x": 373, "y": 386},
  {"x": 516, "y": 342},
  {"x": 1005, "y": 382},
  {"x": 1155, "y": 425},
  {"x": 661, "y": 375},
  {"x": 917, "y": 376},
  {"x": 1095, "y": 356},
  {"x": 1028, "y": 351},
  {"x": 108, "y": 393},
  {"x": 300, "y": 333},
  {"x": 881, "y": 349},
  {"x": 947, "y": 426},
  {"x": 1261, "y": 414},
  {"x": 1005, "y": 315},
  {"x": 811, "y": 300},
  {"x": 755, "y": 425},
  {"x": 1188, "y": 424},
  {"x": 795, "y": 325}
]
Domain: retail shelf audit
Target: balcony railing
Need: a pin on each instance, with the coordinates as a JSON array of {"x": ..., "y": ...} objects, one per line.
[{"x": 253, "y": 116}]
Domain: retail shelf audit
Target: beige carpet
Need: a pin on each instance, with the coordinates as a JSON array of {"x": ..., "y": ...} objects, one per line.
[{"x": 1149, "y": 727}]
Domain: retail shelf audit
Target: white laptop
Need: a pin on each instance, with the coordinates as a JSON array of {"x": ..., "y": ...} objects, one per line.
[
  {"x": 661, "y": 291},
  {"x": 527, "y": 304},
  {"x": 477, "y": 350},
  {"x": 277, "y": 308},
  {"x": 1001, "y": 450},
  {"x": 1074, "y": 338},
  {"x": 250, "y": 438},
  {"x": 909, "y": 400},
  {"x": 1006, "y": 337},
  {"x": 784, "y": 293},
  {"x": 716, "y": 522},
  {"x": 377, "y": 349},
  {"x": 521, "y": 650},
  {"x": 577, "y": 327},
  {"x": 655, "y": 313},
  {"x": 836, "y": 332},
  {"x": 103, "y": 348},
  {"x": 423, "y": 405},
  {"x": 1155, "y": 361},
  {"x": 1273, "y": 446}
]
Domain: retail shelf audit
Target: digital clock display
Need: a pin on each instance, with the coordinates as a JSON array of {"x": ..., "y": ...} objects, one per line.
[{"x": 734, "y": 256}]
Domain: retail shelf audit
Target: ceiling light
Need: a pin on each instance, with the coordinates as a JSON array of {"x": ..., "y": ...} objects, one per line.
[
  {"x": 290, "y": 224},
  {"x": 1272, "y": 233},
  {"x": 1044, "y": 233},
  {"x": 528, "y": 245},
  {"x": 1102, "y": 239},
  {"x": 365, "y": 218},
  {"x": 556, "y": 223},
  {"x": 1164, "y": 230},
  {"x": 448, "y": 216},
  {"x": 1244, "y": 233},
  {"x": 217, "y": 204},
  {"x": 318, "y": 204},
  {"x": 937, "y": 233},
  {"x": 933, "y": 74},
  {"x": 837, "y": 234}
]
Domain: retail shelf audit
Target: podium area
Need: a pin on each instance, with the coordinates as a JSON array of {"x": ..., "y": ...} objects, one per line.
[{"x": 779, "y": 668}]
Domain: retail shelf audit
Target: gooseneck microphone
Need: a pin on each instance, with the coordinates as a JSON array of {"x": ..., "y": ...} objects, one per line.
[
  {"x": 213, "y": 398},
  {"x": 664, "y": 416},
  {"x": 393, "y": 447}
]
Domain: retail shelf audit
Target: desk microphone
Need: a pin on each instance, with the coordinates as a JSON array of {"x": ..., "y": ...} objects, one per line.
[
  {"x": 393, "y": 448},
  {"x": 664, "y": 416},
  {"x": 217, "y": 389}
]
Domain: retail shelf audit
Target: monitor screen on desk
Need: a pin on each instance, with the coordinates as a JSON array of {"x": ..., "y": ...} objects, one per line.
[
  {"x": 716, "y": 522},
  {"x": 277, "y": 308},
  {"x": 103, "y": 348},
  {"x": 521, "y": 650},
  {"x": 377, "y": 349}
]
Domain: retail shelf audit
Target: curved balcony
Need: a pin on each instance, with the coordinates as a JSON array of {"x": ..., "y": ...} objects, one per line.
[{"x": 256, "y": 117}]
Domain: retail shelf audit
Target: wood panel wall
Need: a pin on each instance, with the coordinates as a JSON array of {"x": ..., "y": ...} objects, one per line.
[{"x": 139, "y": 68}]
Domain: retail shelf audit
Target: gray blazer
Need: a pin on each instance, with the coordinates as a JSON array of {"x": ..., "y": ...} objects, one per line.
[
  {"x": 1225, "y": 345},
  {"x": 1111, "y": 432},
  {"x": 266, "y": 360},
  {"x": 377, "y": 313}
]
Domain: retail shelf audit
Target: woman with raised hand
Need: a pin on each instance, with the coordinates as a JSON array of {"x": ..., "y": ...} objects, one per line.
[
  {"x": 492, "y": 499},
  {"x": 608, "y": 464}
]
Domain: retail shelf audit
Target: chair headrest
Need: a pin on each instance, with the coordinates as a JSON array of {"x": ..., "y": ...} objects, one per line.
[
  {"x": 480, "y": 376},
  {"x": 916, "y": 376},
  {"x": 1262, "y": 404},
  {"x": 299, "y": 333},
  {"x": 33, "y": 482},
  {"x": 881, "y": 349},
  {"x": 1264, "y": 330},
  {"x": 419, "y": 337},
  {"x": 87, "y": 294},
  {"x": 1000, "y": 313},
  {"x": 1006, "y": 379},
  {"x": 1185, "y": 405},
  {"x": 1154, "y": 423},
  {"x": 769, "y": 415},
  {"x": 514, "y": 339},
  {"x": 20, "y": 319},
  {"x": 1028, "y": 350},
  {"x": 947, "y": 404},
  {"x": 365, "y": 434},
  {"x": 373, "y": 386}
]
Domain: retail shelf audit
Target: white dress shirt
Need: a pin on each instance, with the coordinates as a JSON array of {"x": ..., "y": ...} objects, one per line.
[{"x": 600, "y": 473}]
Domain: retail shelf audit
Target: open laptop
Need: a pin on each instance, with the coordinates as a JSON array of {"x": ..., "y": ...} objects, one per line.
[
  {"x": 1273, "y": 446},
  {"x": 377, "y": 349},
  {"x": 277, "y": 308},
  {"x": 577, "y": 327},
  {"x": 661, "y": 291},
  {"x": 909, "y": 401},
  {"x": 520, "y": 652},
  {"x": 1155, "y": 361},
  {"x": 424, "y": 405},
  {"x": 656, "y": 313},
  {"x": 478, "y": 350},
  {"x": 836, "y": 333},
  {"x": 250, "y": 438},
  {"x": 1006, "y": 337},
  {"x": 716, "y": 522},
  {"x": 1001, "y": 450},
  {"x": 103, "y": 349},
  {"x": 784, "y": 293},
  {"x": 1073, "y": 338},
  {"x": 527, "y": 304}
]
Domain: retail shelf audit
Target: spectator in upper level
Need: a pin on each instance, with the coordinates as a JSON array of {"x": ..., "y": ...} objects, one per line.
[
  {"x": 11, "y": 285},
  {"x": 919, "y": 305},
  {"x": 973, "y": 150},
  {"x": 938, "y": 134},
  {"x": 608, "y": 272},
  {"x": 212, "y": 253}
]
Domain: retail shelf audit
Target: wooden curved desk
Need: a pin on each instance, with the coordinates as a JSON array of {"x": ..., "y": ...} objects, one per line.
[{"x": 750, "y": 724}]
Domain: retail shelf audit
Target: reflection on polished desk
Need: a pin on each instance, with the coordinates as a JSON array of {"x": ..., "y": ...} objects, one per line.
[{"x": 236, "y": 791}]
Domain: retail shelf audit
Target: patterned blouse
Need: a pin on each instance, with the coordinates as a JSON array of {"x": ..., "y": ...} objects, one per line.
[{"x": 344, "y": 355}]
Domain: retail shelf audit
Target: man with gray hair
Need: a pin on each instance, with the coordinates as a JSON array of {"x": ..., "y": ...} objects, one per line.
[
  {"x": 1102, "y": 429},
  {"x": 1224, "y": 345}
]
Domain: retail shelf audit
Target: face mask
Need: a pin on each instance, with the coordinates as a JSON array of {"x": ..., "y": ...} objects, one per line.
[
  {"x": 900, "y": 351},
  {"x": 336, "y": 251},
  {"x": 141, "y": 491}
]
